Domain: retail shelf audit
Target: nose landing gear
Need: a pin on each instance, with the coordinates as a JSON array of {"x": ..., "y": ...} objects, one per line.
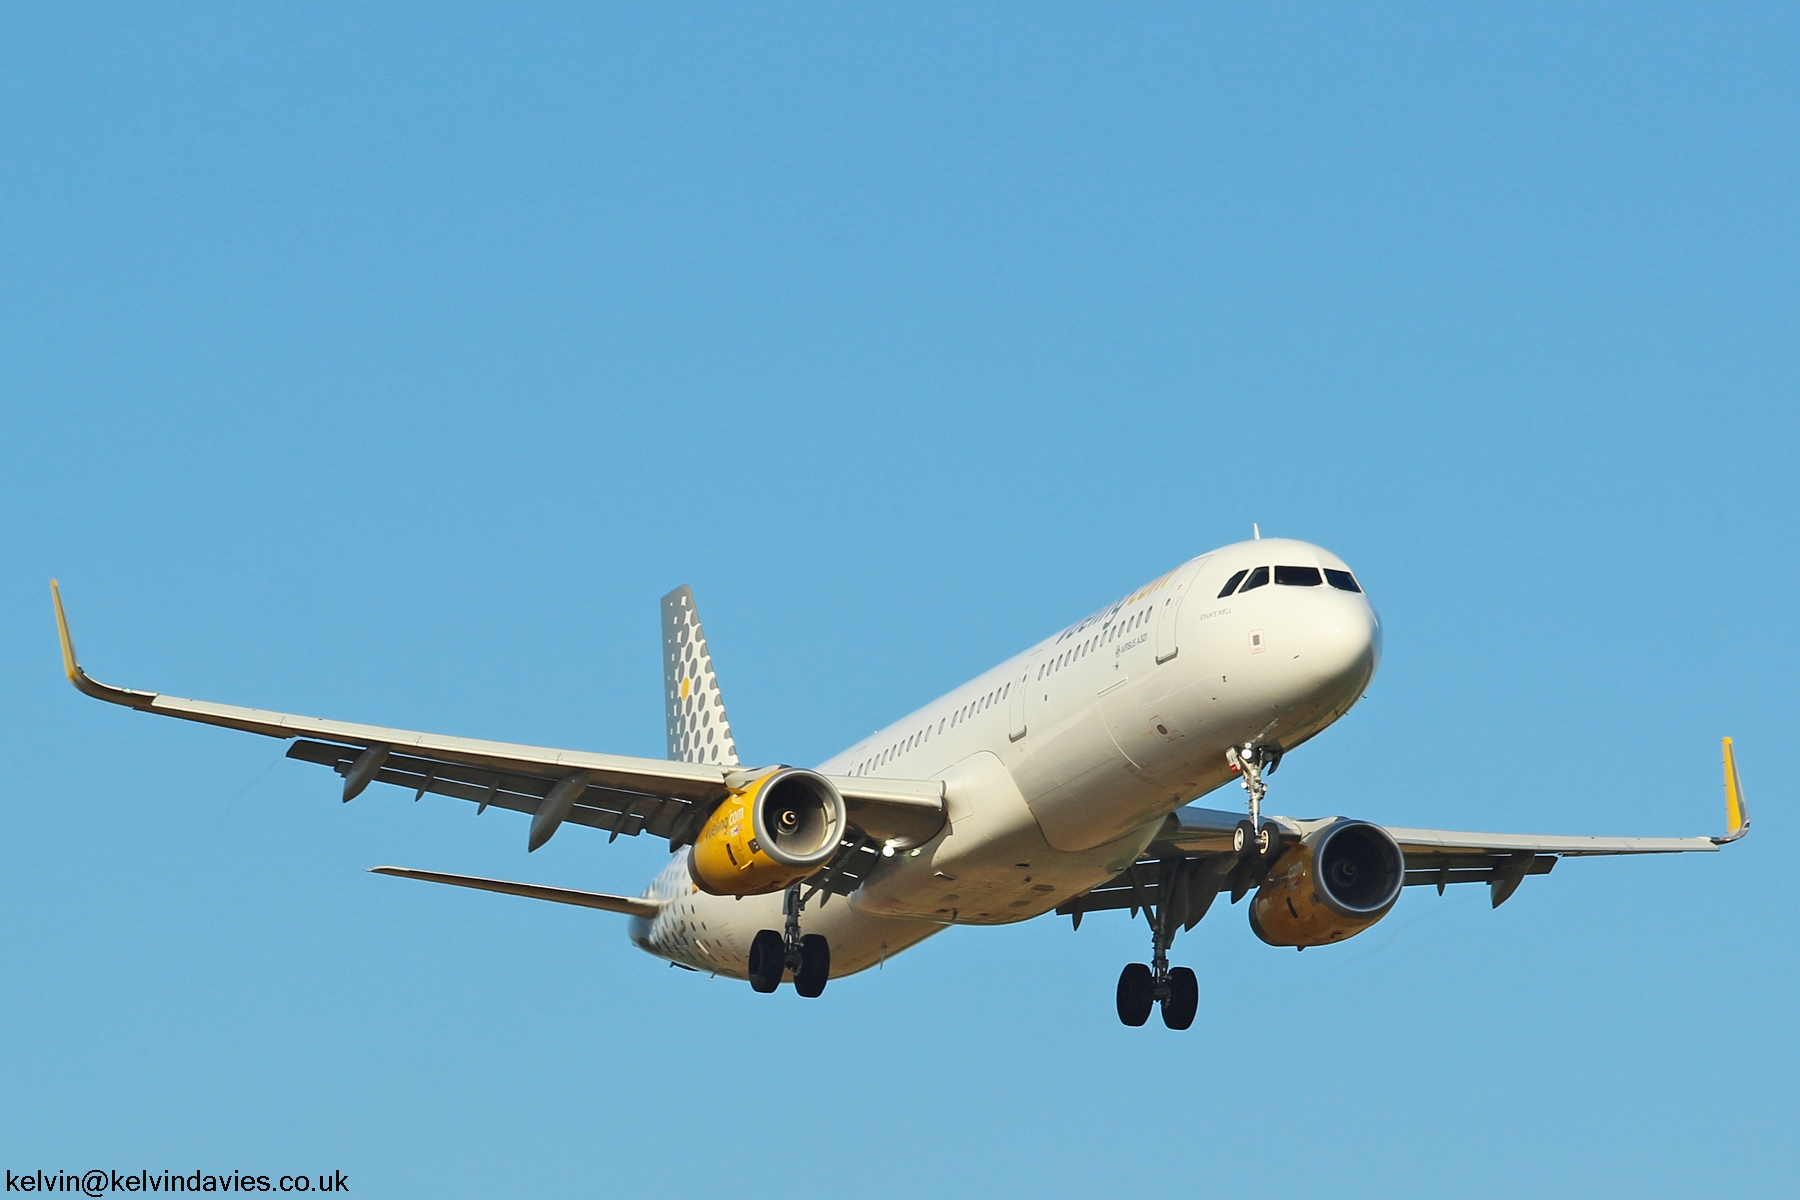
[
  {"x": 1255, "y": 838},
  {"x": 807, "y": 956}
]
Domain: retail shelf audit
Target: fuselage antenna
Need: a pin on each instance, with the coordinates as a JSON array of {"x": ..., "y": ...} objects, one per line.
[{"x": 1256, "y": 531}]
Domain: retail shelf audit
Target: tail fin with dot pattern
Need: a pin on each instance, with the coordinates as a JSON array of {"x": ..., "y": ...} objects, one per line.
[{"x": 698, "y": 730}]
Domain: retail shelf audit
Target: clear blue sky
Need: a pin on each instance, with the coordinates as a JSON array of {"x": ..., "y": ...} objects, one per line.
[{"x": 389, "y": 365}]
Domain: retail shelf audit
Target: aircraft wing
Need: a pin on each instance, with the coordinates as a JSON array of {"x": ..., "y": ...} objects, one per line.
[
  {"x": 619, "y": 794},
  {"x": 1191, "y": 859},
  {"x": 1502, "y": 860}
]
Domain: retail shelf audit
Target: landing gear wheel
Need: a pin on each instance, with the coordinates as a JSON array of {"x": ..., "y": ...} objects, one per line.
[
  {"x": 1268, "y": 842},
  {"x": 1137, "y": 993},
  {"x": 768, "y": 958},
  {"x": 815, "y": 965},
  {"x": 1243, "y": 840},
  {"x": 1183, "y": 1000}
]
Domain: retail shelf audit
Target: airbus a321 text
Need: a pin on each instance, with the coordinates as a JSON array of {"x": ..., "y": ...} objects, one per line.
[{"x": 1060, "y": 780}]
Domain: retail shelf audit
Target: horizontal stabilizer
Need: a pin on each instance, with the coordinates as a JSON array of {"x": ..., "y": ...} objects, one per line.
[{"x": 635, "y": 906}]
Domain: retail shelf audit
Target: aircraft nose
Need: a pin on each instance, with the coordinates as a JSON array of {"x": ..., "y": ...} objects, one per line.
[{"x": 1342, "y": 643}]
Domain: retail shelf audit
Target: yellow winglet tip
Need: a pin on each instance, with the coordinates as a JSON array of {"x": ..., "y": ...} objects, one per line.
[
  {"x": 1735, "y": 815},
  {"x": 70, "y": 667}
]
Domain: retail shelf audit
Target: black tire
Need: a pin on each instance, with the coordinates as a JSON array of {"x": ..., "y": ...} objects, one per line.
[
  {"x": 815, "y": 965},
  {"x": 1272, "y": 845},
  {"x": 1137, "y": 993},
  {"x": 768, "y": 958},
  {"x": 1184, "y": 999},
  {"x": 1243, "y": 839}
]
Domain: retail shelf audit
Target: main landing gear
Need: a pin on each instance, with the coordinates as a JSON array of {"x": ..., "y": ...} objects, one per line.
[
  {"x": 1257, "y": 844},
  {"x": 773, "y": 953},
  {"x": 1175, "y": 988}
]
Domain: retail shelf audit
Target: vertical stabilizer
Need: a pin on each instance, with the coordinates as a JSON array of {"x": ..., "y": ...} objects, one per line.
[{"x": 698, "y": 730}]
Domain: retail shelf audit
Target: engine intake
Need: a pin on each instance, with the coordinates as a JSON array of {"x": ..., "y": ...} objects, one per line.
[
  {"x": 773, "y": 833},
  {"x": 1331, "y": 886}
]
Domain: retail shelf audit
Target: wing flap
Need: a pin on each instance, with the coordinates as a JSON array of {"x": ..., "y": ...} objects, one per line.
[
  {"x": 615, "y": 810},
  {"x": 1187, "y": 884},
  {"x": 688, "y": 781}
]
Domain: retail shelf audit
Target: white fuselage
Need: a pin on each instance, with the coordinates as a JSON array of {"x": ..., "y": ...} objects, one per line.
[{"x": 1061, "y": 763}]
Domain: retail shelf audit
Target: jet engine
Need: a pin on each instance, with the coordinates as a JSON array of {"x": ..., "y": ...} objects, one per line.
[
  {"x": 775, "y": 832},
  {"x": 1331, "y": 886}
]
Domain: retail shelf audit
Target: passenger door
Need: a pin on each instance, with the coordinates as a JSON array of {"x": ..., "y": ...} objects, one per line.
[
  {"x": 1021, "y": 688},
  {"x": 1168, "y": 608}
]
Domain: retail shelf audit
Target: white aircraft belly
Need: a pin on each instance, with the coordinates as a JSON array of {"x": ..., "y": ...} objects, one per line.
[
  {"x": 992, "y": 864},
  {"x": 713, "y": 933}
]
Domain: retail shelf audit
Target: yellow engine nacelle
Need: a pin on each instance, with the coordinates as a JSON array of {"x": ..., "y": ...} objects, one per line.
[
  {"x": 1332, "y": 886},
  {"x": 774, "y": 832}
]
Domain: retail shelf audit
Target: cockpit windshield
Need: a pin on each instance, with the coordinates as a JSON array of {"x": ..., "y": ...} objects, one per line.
[{"x": 1343, "y": 581}]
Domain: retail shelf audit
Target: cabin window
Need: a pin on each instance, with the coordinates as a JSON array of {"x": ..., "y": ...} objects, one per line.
[{"x": 1343, "y": 581}]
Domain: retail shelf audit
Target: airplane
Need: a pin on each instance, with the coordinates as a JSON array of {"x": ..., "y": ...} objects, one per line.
[{"x": 1061, "y": 780}]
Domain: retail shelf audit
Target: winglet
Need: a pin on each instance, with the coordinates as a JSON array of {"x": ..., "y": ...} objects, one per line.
[
  {"x": 80, "y": 678},
  {"x": 1735, "y": 814},
  {"x": 70, "y": 668}
]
